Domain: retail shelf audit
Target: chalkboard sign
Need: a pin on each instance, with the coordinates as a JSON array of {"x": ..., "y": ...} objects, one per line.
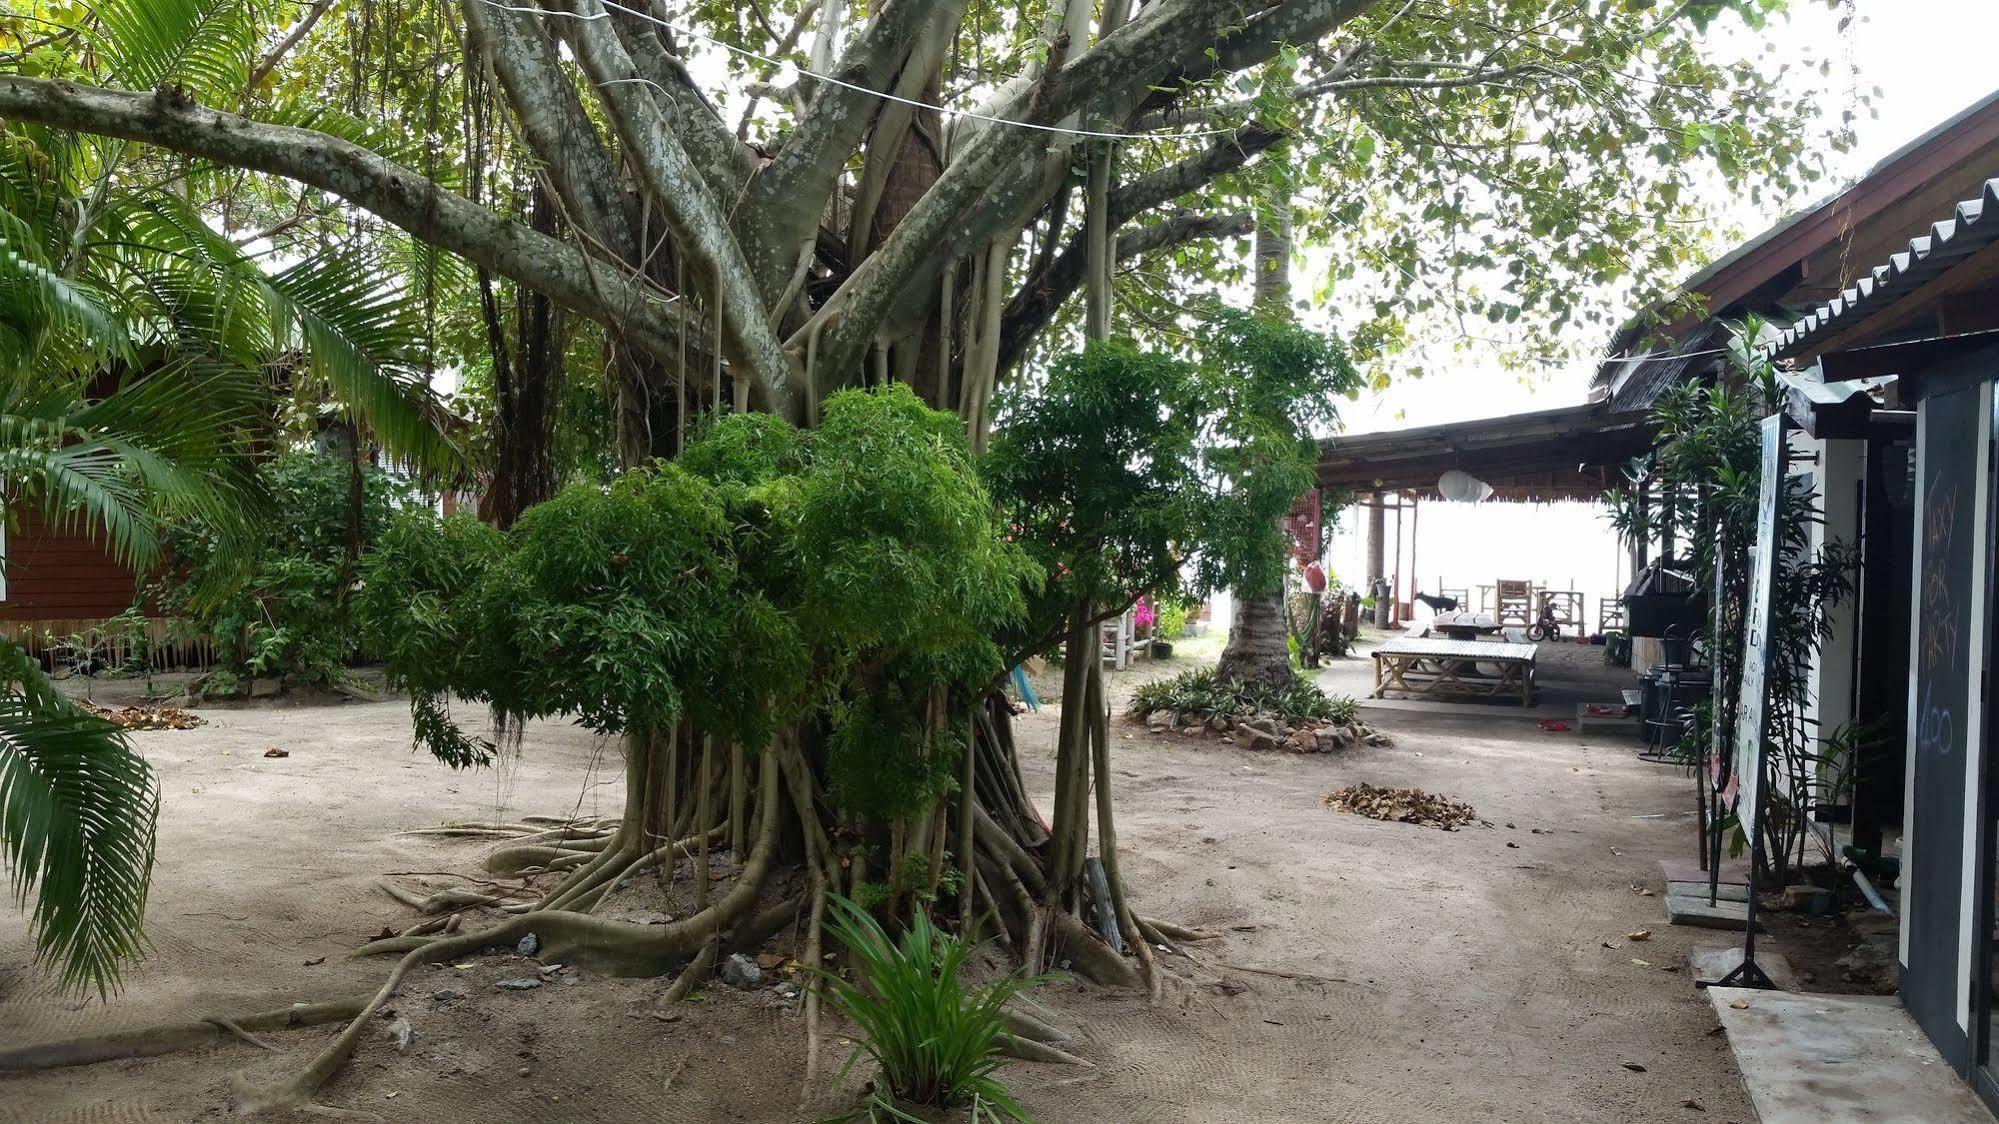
[
  {"x": 1944, "y": 662},
  {"x": 1750, "y": 712}
]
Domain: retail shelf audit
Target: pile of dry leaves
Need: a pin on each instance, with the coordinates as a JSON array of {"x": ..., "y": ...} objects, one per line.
[
  {"x": 145, "y": 717},
  {"x": 1404, "y": 805}
]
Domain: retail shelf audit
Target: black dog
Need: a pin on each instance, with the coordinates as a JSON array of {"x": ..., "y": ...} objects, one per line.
[{"x": 1439, "y": 604}]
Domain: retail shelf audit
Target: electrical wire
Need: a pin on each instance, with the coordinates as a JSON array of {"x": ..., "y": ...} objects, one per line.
[{"x": 781, "y": 64}]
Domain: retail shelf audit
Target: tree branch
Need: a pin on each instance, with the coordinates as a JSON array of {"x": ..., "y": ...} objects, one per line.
[
  {"x": 1171, "y": 182},
  {"x": 1173, "y": 115},
  {"x": 703, "y": 230},
  {"x": 1165, "y": 37},
  {"x": 368, "y": 180},
  {"x": 725, "y": 162},
  {"x": 553, "y": 122},
  {"x": 1035, "y": 305},
  {"x": 790, "y": 196},
  {"x": 270, "y": 61}
]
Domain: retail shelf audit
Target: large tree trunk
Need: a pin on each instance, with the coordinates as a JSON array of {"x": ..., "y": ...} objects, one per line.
[{"x": 1257, "y": 650}]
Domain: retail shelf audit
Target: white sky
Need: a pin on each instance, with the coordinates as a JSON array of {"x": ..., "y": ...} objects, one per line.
[{"x": 1930, "y": 58}]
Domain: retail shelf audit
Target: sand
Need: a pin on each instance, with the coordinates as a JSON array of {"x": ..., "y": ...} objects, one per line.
[{"x": 1365, "y": 970}]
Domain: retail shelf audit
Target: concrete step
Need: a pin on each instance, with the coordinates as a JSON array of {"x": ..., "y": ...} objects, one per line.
[
  {"x": 1727, "y": 891},
  {"x": 1693, "y": 909}
]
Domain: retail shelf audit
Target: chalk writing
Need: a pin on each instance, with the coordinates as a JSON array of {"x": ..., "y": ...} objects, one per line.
[
  {"x": 1939, "y": 616},
  {"x": 1936, "y": 728}
]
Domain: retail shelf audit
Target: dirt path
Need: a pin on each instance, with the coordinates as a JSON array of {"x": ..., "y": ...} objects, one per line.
[{"x": 1428, "y": 975}]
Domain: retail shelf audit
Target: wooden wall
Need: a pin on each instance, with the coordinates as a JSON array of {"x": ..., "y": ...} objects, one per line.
[{"x": 53, "y": 576}]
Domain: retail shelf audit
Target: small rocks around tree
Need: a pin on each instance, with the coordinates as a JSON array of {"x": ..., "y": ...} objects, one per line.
[
  {"x": 1263, "y": 733},
  {"x": 739, "y": 971}
]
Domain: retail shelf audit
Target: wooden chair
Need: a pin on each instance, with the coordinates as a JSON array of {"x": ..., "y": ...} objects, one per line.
[{"x": 1515, "y": 602}]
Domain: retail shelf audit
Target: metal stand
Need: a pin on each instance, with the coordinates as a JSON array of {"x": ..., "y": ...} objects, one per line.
[{"x": 1748, "y": 973}]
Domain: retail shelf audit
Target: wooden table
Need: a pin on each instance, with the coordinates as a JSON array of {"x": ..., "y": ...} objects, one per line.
[{"x": 1451, "y": 669}]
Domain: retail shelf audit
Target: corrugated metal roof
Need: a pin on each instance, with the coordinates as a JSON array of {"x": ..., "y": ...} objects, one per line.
[
  {"x": 1974, "y": 226},
  {"x": 1643, "y": 381}
]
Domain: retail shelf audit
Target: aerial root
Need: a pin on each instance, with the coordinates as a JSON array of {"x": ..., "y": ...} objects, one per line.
[
  {"x": 1176, "y": 932},
  {"x": 168, "y": 1037},
  {"x": 1023, "y": 1025},
  {"x": 691, "y": 976},
  {"x": 236, "y": 1029},
  {"x": 1027, "y": 1049}
]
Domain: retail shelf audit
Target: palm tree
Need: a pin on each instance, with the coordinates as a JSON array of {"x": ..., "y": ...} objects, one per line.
[
  {"x": 77, "y": 806},
  {"x": 146, "y": 360}
]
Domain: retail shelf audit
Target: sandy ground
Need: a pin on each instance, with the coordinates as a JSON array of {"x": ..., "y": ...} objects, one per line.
[{"x": 1365, "y": 970}]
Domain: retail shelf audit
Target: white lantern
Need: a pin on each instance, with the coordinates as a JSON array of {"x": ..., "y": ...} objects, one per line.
[{"x": 1458, "y": 486}]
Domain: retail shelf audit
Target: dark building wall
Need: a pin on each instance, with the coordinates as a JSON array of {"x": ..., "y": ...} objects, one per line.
[{"x": 56, "y": 576}]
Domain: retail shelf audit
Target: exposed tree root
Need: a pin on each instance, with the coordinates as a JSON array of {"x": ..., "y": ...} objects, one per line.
[
  {"x": 612, "y": 946},
  {"x": 165, "y": 1039},
  {"x": 1027, "y": 1049},
  {"x": 1177, "y": 932},
  {"x": 691, "y": 976},
  {"x": 236, "y": 1029},
  {"x": 703, "y": 793},
  {"x": 1024, "y": 1025}
]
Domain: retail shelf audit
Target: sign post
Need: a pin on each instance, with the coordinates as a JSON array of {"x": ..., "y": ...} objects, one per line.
[{"x": 1744, "y": 779}]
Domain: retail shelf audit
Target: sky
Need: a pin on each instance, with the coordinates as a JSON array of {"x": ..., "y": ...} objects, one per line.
[{"x": 1930, "y": 58}]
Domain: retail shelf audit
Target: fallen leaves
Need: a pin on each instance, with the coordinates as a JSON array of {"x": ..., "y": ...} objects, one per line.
[
  {"x": 1403, "y": 805},
  {"x": 145, "y": 717}
]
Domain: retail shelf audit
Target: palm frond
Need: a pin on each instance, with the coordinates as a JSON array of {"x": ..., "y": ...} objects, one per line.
[
  {"x": 362, "y": 338},
  {"x": 77, "y": 815},
  {"x": 207, "y": 46}
]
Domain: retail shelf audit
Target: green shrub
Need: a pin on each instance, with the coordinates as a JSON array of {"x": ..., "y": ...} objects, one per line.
[
  {"x": 934, "y": 1036},
  {"x": 1202, "y": 693},
  {"x": 272, "y": 599}
]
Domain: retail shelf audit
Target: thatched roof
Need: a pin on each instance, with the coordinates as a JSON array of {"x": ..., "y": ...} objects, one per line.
[{"x": 1569, "y": 453}]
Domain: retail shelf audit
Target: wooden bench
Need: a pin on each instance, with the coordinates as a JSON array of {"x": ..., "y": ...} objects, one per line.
[{"x": 1451, "y": 669}]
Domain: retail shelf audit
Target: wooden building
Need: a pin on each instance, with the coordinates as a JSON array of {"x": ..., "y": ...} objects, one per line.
[
  {"x": 1884, "y": 301},
  {"x": 56, "y": 583}
]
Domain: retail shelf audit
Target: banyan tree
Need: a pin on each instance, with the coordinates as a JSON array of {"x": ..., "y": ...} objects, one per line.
[{"x": 793, "y": 605}]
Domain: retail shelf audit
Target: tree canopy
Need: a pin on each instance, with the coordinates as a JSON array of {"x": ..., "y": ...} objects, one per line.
[{"x": 738, "y": 180}]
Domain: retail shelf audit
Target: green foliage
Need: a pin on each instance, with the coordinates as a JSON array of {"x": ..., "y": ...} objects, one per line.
[
  {"x": 1136, "y": 473},
  {"x": 1100, "y": 472},
  {"x": 270, "y": 595},
  {"x": 1707, "y": 472},
  {"x": 1273, "y": 385},
  {"x": 855, "y": 573},
  {"x": 77, "y": 809},
  {"x": 1201, "y": 692},
  {"x": 1173, "y": 615},
  {"x": 934, "y": 1036}
]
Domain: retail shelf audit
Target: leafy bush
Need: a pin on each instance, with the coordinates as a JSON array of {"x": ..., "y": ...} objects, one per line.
[
  {"x": 271, "y": 597},
  {"x": 1200, "y": 692},
  {"x": 934, "y": 1036},
  {"x": 854, "y": 573},
  {"x": 1173, "y": 615}
]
